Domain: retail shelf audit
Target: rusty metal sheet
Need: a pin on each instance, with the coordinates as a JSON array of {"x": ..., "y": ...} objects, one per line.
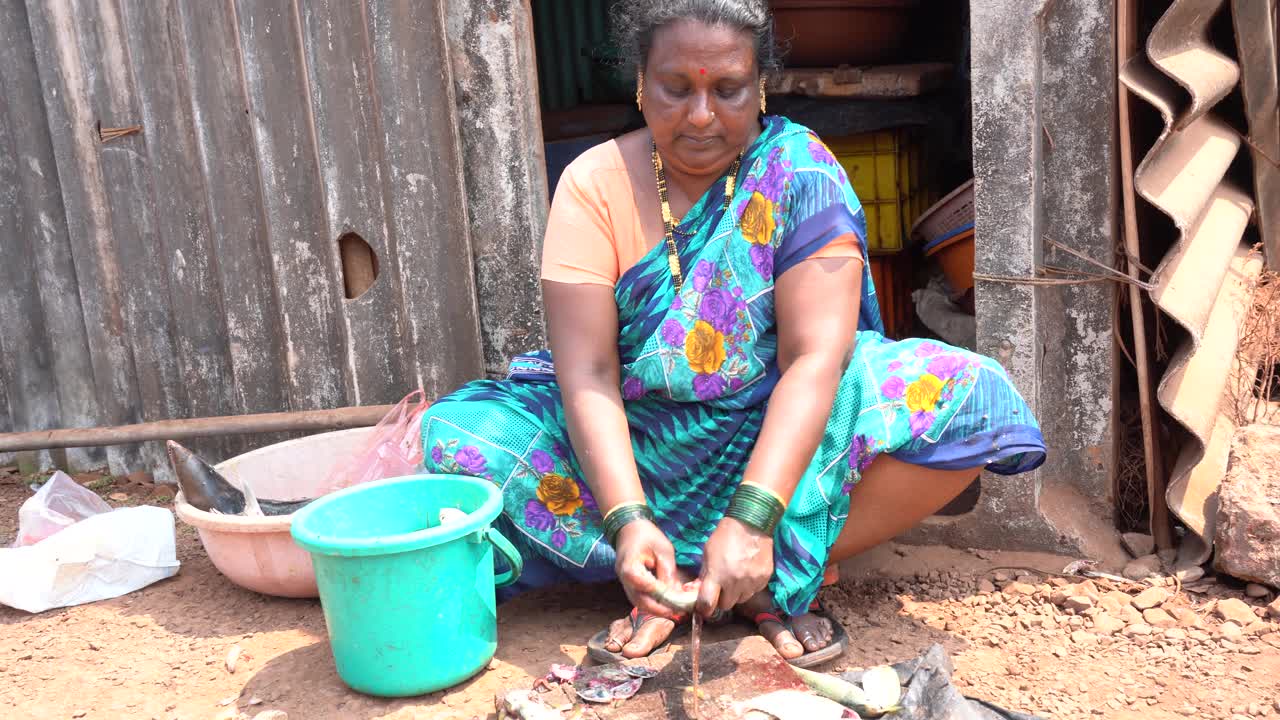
[
  {"x": 1256, "y": 38},
  {"x": 1179, "y": 46}
]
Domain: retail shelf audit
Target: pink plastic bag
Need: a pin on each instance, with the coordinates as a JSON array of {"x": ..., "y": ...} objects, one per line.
[
  {"x": 59, "y": 503},
  {"x": 393, "y": 450}
]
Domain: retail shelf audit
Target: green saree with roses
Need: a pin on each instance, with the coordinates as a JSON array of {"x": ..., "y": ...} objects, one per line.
[{"x": 698, "y": 368}]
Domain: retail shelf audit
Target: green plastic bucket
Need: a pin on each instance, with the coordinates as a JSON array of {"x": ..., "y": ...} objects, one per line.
[{"x": 409, "y": 602}]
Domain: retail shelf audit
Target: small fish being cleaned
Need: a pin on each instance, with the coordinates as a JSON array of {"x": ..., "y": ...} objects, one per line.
[{"x": 206, "y": 489}]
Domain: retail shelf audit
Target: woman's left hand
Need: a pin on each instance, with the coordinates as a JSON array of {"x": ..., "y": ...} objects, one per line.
[{"x": 737, "y": 563}]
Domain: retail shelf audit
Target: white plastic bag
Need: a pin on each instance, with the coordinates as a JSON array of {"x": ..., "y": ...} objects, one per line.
[
  {"x": 103, "y": 556},
  {"x": 58, "y": 504}
]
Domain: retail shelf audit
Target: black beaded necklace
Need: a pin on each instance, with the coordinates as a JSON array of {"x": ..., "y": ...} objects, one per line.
[{"x": 669, "y": 221}]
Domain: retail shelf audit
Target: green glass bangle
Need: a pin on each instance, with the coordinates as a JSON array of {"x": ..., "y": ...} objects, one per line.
[
  {"x": 756, "y": 508},
  {"x": 624, "y": 515}
]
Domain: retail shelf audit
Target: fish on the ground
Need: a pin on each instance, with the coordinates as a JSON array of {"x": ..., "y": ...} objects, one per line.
[{"x": 204, "y": 488}]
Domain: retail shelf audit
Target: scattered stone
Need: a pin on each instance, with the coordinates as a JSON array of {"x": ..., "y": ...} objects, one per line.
[
  {"x": 272, "y": 715},
  {"x": 1256, "y": 591},
  {"x": 1111, "y": 605},
  {"x": 1155, "y": 617},
  {"x": 233, "y": 657},
  {"x": 986, "y": 586},
  {"x": 1142, "y": 568},
  {"x": 1186, "y": 617},
  {"x": 1137, "y": 630},
  {"x": 1081, "y": 637},
  {"x": 1235, "y": 610},
  {"x": 1130, "y": 615},
  {"x": 1273, "y": 610},
  {"x": 1150, "y": 598},
  {"x": 1189, "y": 574},
  {"x": 1248, "y": 519},
  {"x": 1231, "y": 631},
  {"x": 1168, "y": 555},
  {"x": 1019, "y": 589},
  {"x": 1078, "y": 603},
  {"x": 1177, "y": 634},
  {"x": 1138, "y": 544},
  {"x": 1188, "y": 710},
  {"x": 1002, "y": 576},
  {"x": 1107, "y": 625}
]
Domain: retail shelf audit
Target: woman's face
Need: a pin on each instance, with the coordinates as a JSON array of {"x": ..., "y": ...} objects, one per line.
[{"x": 701, "y": 95}]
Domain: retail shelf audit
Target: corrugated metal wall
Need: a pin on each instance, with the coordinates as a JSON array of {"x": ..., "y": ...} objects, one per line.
[
  {"x": 1204, "y": 280},
  {"x": 191, "y": 267}
]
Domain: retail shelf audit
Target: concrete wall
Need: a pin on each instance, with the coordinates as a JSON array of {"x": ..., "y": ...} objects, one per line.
[
  {"x": 1044, "y": 149},
  {"x": 496, "y": 86}
]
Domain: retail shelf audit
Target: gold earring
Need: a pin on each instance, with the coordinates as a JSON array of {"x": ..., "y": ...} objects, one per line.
[
  {"x": 762, "y": 95},
  {"x": 640, "y": 90}
]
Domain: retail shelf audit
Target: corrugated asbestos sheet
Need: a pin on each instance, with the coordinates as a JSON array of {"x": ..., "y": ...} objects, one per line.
[
  {"x": 1205, "y": 280},
  {"x": 190, "y": 266}
]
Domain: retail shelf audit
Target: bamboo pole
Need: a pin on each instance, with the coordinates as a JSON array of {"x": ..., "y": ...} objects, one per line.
[
  {"x": 1158, "y": 507},
  {"x": 334, "y": 419}
]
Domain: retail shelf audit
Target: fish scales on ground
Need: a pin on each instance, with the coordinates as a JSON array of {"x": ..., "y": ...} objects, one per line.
[{"x": 204, "y": 488}]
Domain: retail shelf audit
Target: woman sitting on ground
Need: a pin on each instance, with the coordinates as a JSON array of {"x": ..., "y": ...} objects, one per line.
[{"x": 723, "y": 405}]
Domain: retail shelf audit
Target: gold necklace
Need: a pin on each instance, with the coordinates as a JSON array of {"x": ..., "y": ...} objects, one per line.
[{"x": 669, "y": 221}]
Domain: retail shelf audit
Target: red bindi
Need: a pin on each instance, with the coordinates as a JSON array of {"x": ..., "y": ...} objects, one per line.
[{"x": 702, "y": 71}]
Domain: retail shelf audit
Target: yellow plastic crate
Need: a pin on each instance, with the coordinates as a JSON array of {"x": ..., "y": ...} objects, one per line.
[{"x": 885, "y": 171}]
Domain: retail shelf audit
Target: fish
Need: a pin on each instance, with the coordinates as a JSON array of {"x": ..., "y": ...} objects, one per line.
[{"x": 204, "y": 488}]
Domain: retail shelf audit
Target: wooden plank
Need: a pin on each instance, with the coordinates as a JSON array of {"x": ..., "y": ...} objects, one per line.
[
  {"x": 73, "y": 127},
  {"x": 1157, "y": 503},
  {"x": 886, "y": 81},
  {"x": 303, "y": 257},
  {"x": 142, "y": 273},
  {"x": 493, "y": 59},
  {"x": 182, "y": 230},
  {"x": 228, "y": 167},
  {"x": 348, "y": 133},
  {"x": 27, "y": 397},
  {"x": 43, "y": 220},
  {"x": 1257, "y": 39},
  {"x": 428, "y": 214}
]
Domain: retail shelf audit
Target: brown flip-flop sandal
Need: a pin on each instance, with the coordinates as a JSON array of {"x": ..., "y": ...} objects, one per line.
[
  {"x": 596, "y": 646},
  {"x": 837, "y": 647}
]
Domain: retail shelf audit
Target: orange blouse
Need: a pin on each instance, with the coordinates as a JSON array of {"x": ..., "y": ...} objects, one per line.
[{"x": 593, "y": 231}]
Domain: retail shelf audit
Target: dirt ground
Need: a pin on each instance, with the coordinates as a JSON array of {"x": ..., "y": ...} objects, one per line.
[{"x": 1014, "y": 636}]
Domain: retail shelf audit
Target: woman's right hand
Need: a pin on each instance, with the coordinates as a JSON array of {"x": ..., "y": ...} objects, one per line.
[{"x": 645, "y": 559}]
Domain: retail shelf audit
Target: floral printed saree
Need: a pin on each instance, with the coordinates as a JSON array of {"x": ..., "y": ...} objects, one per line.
[{"x": 698, "y": 367}]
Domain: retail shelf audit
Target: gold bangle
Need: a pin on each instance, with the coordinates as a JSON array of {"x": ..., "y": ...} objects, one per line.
[
  {"x": 769, "y": 490},
  {"x": 624, "y": 505}
]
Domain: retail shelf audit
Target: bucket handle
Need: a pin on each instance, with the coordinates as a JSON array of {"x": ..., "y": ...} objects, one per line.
[{"x": 515, "y": 563}]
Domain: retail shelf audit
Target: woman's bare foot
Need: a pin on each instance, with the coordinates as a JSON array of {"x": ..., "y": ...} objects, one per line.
[
  {"x": 808, "y": 633},
  {"x": 635, "y": 642},
  {"x": 653, "y": 631}
]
